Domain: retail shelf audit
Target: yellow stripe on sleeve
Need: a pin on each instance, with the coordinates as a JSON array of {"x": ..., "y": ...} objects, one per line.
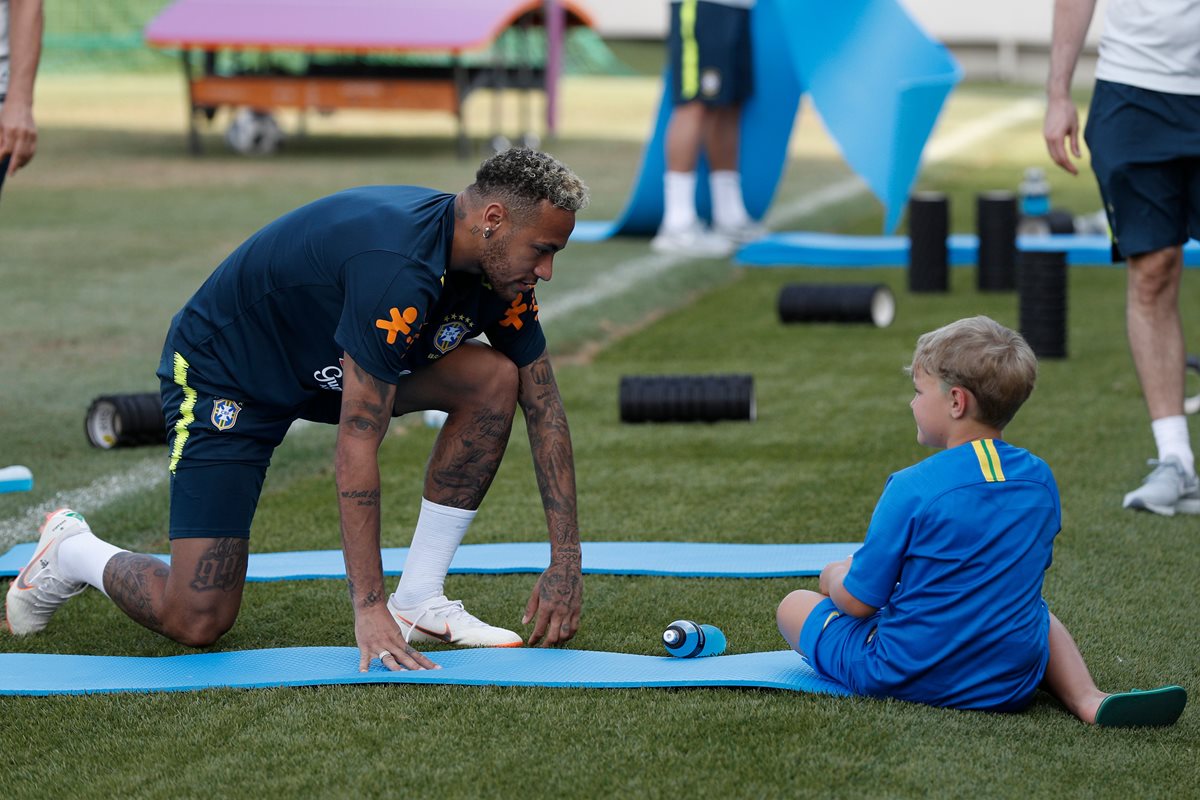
[{"x": 186, "y": 410}]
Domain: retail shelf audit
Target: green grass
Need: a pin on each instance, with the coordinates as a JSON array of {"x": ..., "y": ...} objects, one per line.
[{"x": 112, "y": 227}]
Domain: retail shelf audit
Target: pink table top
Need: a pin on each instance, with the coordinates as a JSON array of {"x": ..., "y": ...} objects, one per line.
[{"x": 355, "y": 25}]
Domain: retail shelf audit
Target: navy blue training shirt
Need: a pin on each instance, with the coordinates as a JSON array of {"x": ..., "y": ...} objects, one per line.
[{"x": 363, "y": 271}]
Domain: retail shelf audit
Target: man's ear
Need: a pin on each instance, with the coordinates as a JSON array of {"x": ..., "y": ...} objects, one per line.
[{"x": 494, "y": 215}]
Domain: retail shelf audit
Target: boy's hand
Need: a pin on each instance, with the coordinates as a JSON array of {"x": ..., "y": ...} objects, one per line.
[{"x": 832, "y": 575}]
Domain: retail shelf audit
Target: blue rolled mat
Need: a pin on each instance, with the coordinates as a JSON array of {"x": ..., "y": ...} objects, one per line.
[
  {"x": 814, "y": 249},
  {"x": 679, "y": 559},
  {"x": 43, "y": 674},
  {"x": 878, "y": 81}
]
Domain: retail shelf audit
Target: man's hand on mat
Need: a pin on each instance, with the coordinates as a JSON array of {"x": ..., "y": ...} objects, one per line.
[
  {"x": 379, "y": 637},
  {"x": 556, "y": 603}
]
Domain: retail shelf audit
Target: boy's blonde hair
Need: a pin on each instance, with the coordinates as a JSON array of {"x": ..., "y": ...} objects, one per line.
[{"x": 979, "y": 354}]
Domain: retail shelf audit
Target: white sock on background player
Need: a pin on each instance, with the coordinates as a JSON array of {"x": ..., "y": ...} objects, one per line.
[{"x": 1171, "y": 437}]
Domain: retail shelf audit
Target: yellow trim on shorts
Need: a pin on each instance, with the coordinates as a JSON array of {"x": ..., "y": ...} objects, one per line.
[
  {"x": 989, "y": 460},
  {"x": 689, "y": 67},
  {"x": 186, "y": 410}
]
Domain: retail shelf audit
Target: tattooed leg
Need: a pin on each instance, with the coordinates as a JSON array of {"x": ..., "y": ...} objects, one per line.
[
  {"x": 478, "y": 387},
  {"x": 194, "y": 601},
  {"x": 467, "y": 455}
]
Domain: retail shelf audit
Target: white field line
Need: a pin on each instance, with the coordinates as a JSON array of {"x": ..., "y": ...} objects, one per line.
[
  {"x": 141, "y": 477},
  {"x": 624, "y": 277}
]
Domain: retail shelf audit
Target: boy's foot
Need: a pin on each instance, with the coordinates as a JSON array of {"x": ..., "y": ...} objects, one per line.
[
  {"x": 749, "y": 231},
  {"x": 1153, "y": 708},
  {"x": 1167, "y": 490},
  {"x": 446, "y": 621},
  {"x": 38, "y": 589},
  {"x": 695, "y": 240}
]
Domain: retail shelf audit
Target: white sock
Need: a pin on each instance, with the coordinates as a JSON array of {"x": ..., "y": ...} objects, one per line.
[
  {"x": 440, "y": 530},
  {"x": 729, "y": 207},
  {"x": 679, "y": 200},
  {"x": 83, "y": 557},
  {"x": 1171, "y": 436}
]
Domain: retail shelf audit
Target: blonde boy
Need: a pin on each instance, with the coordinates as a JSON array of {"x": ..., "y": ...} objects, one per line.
[{"x": 942, "y": 604}]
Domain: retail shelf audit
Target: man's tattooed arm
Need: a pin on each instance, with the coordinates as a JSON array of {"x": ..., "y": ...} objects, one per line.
[{"x": 366, "y": 412}]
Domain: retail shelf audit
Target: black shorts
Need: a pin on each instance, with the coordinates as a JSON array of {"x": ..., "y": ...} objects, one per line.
[
  {"x": 1145, "y": 149},
  {"x": 709, "y": 50}
]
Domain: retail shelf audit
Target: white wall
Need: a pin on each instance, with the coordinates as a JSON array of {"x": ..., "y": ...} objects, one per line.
[
  {"x": 1006, "y": 40},
  {"x": 948, "y": 20}
]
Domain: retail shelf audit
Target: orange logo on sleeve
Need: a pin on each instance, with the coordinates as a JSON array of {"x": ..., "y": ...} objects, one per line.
[
  {"x": 512, "y": 314},
  {"x": 399, "y": 323}
]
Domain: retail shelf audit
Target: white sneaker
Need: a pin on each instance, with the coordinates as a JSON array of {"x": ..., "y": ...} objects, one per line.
[
  {"x": 749, "y": 231},
  {"x": 38, "y": 591},
  {"x": 446, "y": 621},
  {"x": 695, "y": 240},
  {"x": 1167, "y": 490}
]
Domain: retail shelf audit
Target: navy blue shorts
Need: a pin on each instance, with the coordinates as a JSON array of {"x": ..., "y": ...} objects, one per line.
[
  {"x": 1145, "y": 148},
  {"x": 709, "y": 50},
  {"x": 220, "y": 446},
  {"x": 4, "y": 169}
]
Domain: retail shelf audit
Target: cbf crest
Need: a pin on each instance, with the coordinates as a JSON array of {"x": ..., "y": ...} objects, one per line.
[
  {"x": 225, "y": 413},
  {"x": 451, "y": 333}
]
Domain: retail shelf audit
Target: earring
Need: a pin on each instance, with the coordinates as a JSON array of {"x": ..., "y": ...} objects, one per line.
[{"x": 487, "y": 233}]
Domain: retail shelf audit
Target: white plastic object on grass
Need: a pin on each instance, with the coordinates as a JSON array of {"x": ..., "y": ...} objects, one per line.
[{"x": 15, "y": 479}]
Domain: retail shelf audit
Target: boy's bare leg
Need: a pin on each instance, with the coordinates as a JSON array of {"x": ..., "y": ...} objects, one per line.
[
  {"x": 792, "y": 613},
  {"x": 1067, "y": 676}
]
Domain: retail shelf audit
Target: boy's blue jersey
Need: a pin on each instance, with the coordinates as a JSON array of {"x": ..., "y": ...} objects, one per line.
[
  {"x": 954, "y": 559},
  {"x": 363, "y": 271}
]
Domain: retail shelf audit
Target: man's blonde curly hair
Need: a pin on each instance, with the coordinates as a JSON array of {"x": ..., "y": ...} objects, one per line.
[{"x": 521, "y": 179}]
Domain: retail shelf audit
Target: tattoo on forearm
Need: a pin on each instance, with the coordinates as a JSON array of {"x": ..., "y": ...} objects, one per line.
[
  {"x": 550, "y": 442},
  {"x": 373, "y": 597},
  {"x": 368, "y": 498},
  {"x": 135, "y": 582},
  {"x": 223, "y": 566}
]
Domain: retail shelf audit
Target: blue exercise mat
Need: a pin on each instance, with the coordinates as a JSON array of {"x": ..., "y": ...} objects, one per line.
[
  {"x": 42, "y": 674},
  {"x": 877, "y": 80},
  {"x": 814, "y": 249},
  {"x": 679, "y": 559}
]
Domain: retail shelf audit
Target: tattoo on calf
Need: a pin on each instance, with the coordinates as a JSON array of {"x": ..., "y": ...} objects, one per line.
[
  {"x": 466, "y": 468},
  {"x": 129, "y": 579},
  {"x": 223, "y": 566}
]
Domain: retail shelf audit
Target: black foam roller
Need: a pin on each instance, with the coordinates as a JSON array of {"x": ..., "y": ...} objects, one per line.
[
  {"x": 1042, "y": 300},
  {"x": 996, "y": 224},
  {"x": 823, "y": 302},
  {"x": 125, "y": 420},
  {"x": 928, "y": 255},
  {"x": 686, "y": 398}
]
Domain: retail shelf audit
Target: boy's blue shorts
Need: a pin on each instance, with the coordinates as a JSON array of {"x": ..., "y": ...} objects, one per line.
[
  {"x": 1145, "y": 149},
  {"x": 710, "y": 57},
  {"x": 837, "y": 644}
]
